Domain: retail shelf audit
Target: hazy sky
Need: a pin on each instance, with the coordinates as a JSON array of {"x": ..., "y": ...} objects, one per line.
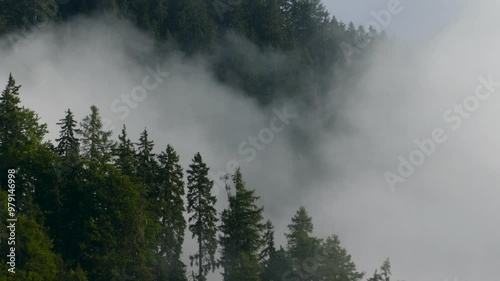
[{"x": 419, "y": 20}]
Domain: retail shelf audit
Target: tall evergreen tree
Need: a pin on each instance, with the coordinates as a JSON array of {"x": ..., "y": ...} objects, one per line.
[
  {"x": 68, "y": 229},
  {"x": 146, "y": 165},
  {"x": 203, "y": 217},
  {"x": 169, "y": 211},
  {"x": 301, "y": 244},
  {"x": 275, "y": 261},
  {"x": 270, "y": 248},
  {"x": 68, "y": 144},
  {"x": 124, "y": 153},
  {"x": 21, "y": 146},
  {"x": 241, "y": 234},
  {"x": 335, "y": 263},
  {"x": 96, "y": 143},
  {"x": 115, "y": 238}
]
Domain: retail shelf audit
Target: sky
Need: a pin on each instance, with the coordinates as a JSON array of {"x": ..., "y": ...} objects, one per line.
[
  {"x": 437, "y": 221},
  {"x": 419, "y": 20}
]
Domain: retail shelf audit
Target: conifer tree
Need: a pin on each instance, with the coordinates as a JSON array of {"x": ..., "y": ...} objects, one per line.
[
  {"x": 96, "y": 145},
  {"x": 275, "y": 262},
  {"x": 169, "y": 211},
  {"x": 69, "y": 227},
  {"x": 300, "y": 241},
  {"x": 268, "y": 238},
  {"x": 203, "y": 217},
  {"x": 145, "y": 157},
  {"x": 68, "y": 145},
  {"x": 125, "y": 154},
  {"x": 21, "y": 146},
  {"x": 241, "y": 234},
  {"x": 335, "y": 261}
]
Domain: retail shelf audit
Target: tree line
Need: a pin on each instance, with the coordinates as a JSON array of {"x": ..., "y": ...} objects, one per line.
[{"x": 93, "y": 208}]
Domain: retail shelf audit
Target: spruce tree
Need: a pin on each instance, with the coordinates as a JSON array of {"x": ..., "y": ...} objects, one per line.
[
  {"x": 145, "y": 158},
  {"x": 21, "y": 147},
  {"x": 68, "y": 230},
  {"x": 301, "y": 243},
  {"x": 96, "y": 145},
  {"x": 68, "y": 146},
  {"x": 241, "y": 234},
  {"x": 115, "y": 238},
  {"x": 124, "y": 154},
  {"x": 268, "y": 238},
  {"x": 335, "y": 262},
  {"x": 170, "y": 213},
  {"x": 203, "y": 217},
  {"x": 275, "y": 262}
]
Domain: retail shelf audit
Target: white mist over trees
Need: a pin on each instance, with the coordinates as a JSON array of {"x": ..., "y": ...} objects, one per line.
[{"x": 353, "y": 123}]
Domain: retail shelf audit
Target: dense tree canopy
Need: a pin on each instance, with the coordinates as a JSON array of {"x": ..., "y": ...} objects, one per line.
[{"x": 312, "y": 42}]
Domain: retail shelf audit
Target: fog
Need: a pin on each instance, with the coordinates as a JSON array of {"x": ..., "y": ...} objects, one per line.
[{"x": 440, "y": 223}]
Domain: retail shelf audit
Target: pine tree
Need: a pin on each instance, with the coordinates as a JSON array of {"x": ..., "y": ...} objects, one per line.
[
  {"x": 300, "y": 241},
  {"x": 125, "y": 154},
  {"x": 335, "y": 262},
  {"x": 10, "y": 113},
  {"x": 20, "y": 131},
  {"x": 386, "y": 270},
  {"x": 145, "y": 157},
  {"x": 277, "y": 266},
  {"x": 169, "y": 211},
  {"x": 67, "y": 227},
  {"x": 68, "y": 144},
  {"x": 67, "y": 141},
  {"x": 96, "y": 144},
  {"x": 301, "y": 245},
  {"x": 275, "y": 261},
  {"x": 241, "y": 234},
  {"x": 268, "y": 238},
  {"x": 203, "y": 217},
  {"x": 115, "y": 238},
  {"x": 21, "y": 146}
]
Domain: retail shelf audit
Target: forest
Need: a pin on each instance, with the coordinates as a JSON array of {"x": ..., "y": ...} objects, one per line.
[
  {"x": 90, "y": 207},
  {"x": 314, "y": 43}
]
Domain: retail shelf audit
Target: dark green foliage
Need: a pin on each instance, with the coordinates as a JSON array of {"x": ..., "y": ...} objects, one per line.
[
  {"x": 241, "y": 234},
  {"x": 115, "y": 235},
  {"x": 336, "y": 263},
  {"x": 203, "y": 217},
  {"x": 68, "y": 143},
  {"x": 125, "y": 154},
  {"x": 21, "y": 146},
  {"x": 301, "y": 244},
  {"x": 170, "y": 214},
  {"x": 95, "y": 142},
  {"x": 146, "y": 162},
  {"x": 310, "y": 41}
]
